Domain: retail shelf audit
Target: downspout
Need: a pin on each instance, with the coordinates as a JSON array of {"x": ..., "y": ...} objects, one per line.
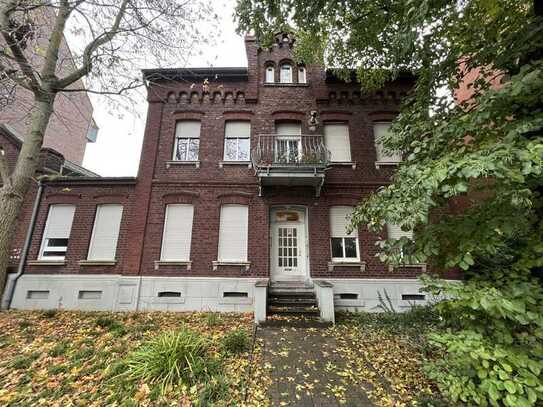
[{"x": 12, "y": 282}]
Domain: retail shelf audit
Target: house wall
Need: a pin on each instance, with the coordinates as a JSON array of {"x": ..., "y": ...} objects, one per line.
[{"x": 211, "y": 184}]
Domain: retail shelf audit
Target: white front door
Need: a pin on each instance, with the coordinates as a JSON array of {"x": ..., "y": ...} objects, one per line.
[{"x": 288, "y": 245}]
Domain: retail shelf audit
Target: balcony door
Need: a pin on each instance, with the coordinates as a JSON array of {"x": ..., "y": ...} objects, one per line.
[
  {"x": 288, "y": 144},
  {"x": 288, "y": 244}
]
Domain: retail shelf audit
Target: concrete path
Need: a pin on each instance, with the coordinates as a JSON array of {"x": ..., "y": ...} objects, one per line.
[{"x": 308, "y": 371}]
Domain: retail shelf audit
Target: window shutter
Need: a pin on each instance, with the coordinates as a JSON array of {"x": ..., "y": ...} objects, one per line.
[
  {"x": 237, "y": 129},
  {"x": 233, "y": 232},
  {"x": 379, "y": 131},
  {"x": 336, "y": 138},
  {"x": 59, "y": 221},
  {"x": 288, "y": 129},
  {"x": 105, "y": 232},
  {"x": 188, "y": 128},
  {"x": 177, "y": 235},
  {"x": 395, "y": 232},
  {"x": 339, "y": 219}
]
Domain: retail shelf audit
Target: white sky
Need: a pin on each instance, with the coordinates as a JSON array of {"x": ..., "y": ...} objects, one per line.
[{"x": 117, "y": 151}]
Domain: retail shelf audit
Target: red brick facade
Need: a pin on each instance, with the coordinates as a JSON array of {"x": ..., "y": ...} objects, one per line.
[{"x": 232, "y": 94}]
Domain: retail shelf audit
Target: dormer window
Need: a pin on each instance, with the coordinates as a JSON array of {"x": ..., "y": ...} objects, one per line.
[
  {"x": 286, "y": 73},
  {"x": 302, "y": 75},
  {"x": 270, "y": 74}
]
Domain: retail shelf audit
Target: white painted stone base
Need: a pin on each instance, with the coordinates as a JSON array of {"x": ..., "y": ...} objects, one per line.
[
  {"x": 367, "y": 293},
  {"x": 121, "y": 293}
]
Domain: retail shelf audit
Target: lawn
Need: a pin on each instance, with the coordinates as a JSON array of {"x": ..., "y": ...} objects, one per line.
[{"x": 83, "y": 359}]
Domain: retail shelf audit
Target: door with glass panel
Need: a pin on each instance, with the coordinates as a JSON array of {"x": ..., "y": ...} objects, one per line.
[
  {"x": 288, "y": 245},
  {"x": 288, "y": 148}
]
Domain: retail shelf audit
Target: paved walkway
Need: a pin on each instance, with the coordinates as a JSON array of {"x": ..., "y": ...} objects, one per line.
[{"x": 308, "y": 371}]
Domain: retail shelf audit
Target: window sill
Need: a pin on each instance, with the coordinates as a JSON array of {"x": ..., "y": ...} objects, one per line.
[
  {"x": 358, "y": 264},
  {"x": 97, "y": 262},
  {"x": 379, "y": 164},
  {"x": 187, "y": 263},
  {"x": 343, "y": 164},
  {"x": 174, "y": 163},
  {"x": 422, "y": 266},
  {"x": 247, "y": 163},
  {"x": 46, "y": 262},
  {"x": 217, "y": 263},
  {"x": 286, "y": 84}
]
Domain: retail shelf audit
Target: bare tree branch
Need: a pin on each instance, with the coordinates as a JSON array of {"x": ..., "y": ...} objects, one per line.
[{"x": 91, "y": 47}]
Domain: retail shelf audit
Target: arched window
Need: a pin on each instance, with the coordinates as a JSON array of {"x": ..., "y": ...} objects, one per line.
[
  {"x": 270, "y": 74},
  {"x": 302, "y": 75},
  {"x": 286, "y": 73}
]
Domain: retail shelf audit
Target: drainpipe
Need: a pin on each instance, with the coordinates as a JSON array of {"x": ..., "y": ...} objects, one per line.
[{"x": 11, "y": 282}]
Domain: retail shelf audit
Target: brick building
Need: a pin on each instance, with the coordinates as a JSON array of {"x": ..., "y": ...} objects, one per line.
[{"x": 246, "y": 178}]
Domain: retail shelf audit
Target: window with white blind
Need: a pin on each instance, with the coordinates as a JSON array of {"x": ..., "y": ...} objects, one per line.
[
  {"x": 395, "y": 232},
  {"x": 237, "y": 140},
  {"x": 288, "y": 144},
  {"x": 336, "y": 138},
  {"x": 302, "y": 77},
  {"x": 344, "y": 245},
  {"x": 57, "y": 232},
  {"x": 105, "y": 233},
  {"x": 177, "y": 236},
  {"x": 380, "y": 130},
  {"x": 187, "y": 140},
  {"x": 270, "y": 74},
  {"x": 285, "y": 74},
  {"x": 233, "y": 231}
]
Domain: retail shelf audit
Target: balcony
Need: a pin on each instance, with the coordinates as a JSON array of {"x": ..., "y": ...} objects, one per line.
[{"x": 290, "y": 160}]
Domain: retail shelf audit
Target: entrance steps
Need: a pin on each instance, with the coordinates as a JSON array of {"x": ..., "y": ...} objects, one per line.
[{"x": 293, "y": 304}]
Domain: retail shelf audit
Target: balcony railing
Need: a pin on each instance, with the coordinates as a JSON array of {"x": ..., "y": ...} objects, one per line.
[{"x": 278, "y": 152}]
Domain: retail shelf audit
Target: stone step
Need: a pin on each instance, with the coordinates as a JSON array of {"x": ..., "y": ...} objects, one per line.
[
  {"x": 290, "y": 293},
  {"x": 292, "y": 301},
  {"x": 295, "y": 321},
  {"x": 289, "y": 310}
]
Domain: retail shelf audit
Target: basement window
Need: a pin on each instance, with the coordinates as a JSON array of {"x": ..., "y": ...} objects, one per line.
[
  {"x": 169, "y": 294},
  {"x": 413, "y": 297},
  {"x": 348, "y": 296},
  {"x": 37, "y": 294},
  {"x": 89, "y": 295},
  {"x": 234, "y": 294}
]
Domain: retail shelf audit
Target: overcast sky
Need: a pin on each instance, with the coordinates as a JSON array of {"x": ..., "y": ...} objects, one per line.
[{"x": 117, "y": 151}]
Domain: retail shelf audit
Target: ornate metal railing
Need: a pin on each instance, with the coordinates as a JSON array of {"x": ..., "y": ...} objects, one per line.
[{"x": 278, "y": 151}]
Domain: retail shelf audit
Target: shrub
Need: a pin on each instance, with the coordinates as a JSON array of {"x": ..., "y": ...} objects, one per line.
[
  {"x": 111, "y": 324},
  {"x": 58, "y": 349},
  {"x": 48, "y": 314},
  {"x": 492, "y": 353},
  {"x": 236, "y": 341},
  {"x": 172, "y": 358}
]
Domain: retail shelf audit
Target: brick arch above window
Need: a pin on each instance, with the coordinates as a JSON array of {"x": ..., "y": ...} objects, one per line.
[
  {"x": 180, "y": 197},
  {"x": 187, "y": 115},
  {"x": 61, "y": 198},
  {"x": 383, "y": 116},
  {"x": 343, "y": 199},
  {"x": 111, "y": 198},
  {"x": 288, "y": 115},
  {"x": 238, "y": 115},
  {"x": 235, "y": 197}
]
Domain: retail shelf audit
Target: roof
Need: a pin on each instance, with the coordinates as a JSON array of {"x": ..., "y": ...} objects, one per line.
[
  {"x": 231, "y": 73},
  {"x": 73, "y": 167}
]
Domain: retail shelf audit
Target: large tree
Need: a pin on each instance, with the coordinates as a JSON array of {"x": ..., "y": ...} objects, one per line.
[
  {"x": 485, "y": 152},
  {"x": 112, "y": 39}
]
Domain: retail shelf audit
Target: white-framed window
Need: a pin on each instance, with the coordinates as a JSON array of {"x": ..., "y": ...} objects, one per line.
[
  {"x": 233, "y": 233},
  {"x": 381, "y": 129},
  {"x": 285, "y": 75},
  {"x": 187, "y": 140},
  {"x": 105, "y": 233},
  {"x": 288, "y": 144},
  {"x": 302, "y": 76},
  {"x": 237, "y": 141},
  {"x": 57, "y": 232},
  {"x": 177, "y": 235},
  {"x": 344, "y": 245},
  {"x": 336, "y": 139},
  {"x": 270, "y": 74}
]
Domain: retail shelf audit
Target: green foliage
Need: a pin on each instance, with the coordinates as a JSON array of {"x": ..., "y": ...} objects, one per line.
[
  {"x": 111, "y": 324},
  {"x": 171, "y": 359},
  {"x": 48, "y": 314},
  {"x": 493, "y": 347},
  {"x": 236, "y": 341},
  {"x": 213, "y": 319}
]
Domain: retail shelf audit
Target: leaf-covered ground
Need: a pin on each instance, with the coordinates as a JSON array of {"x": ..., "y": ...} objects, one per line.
[{"x": 76, "y": 359}]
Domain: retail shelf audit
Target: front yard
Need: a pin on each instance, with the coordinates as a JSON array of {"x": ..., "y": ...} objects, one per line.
[{"x": 75, "y": 358}]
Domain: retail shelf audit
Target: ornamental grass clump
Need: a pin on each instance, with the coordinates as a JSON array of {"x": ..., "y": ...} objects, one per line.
[{"x": 171, "y": 359}]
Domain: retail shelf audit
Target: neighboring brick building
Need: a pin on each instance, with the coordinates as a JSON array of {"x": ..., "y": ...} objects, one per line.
[{"x": 246, "y": 174}]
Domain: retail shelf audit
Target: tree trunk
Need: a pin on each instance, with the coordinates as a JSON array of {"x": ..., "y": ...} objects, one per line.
[{"x": 12, "y": 196}]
